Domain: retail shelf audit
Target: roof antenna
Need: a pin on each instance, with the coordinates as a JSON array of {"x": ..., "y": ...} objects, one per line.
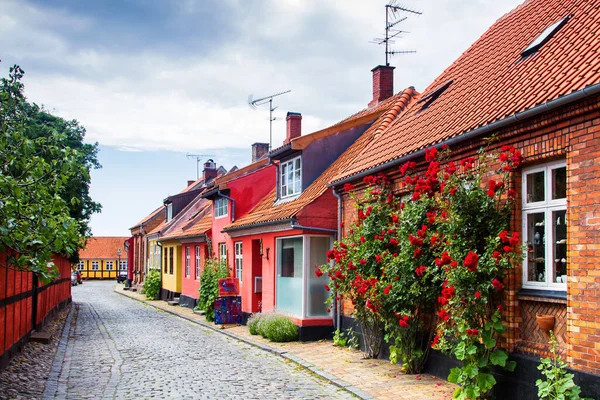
[
  {"x": 197, "y": 157},
  {"x": 393, "y": 16},
  {"x": 259, "y": 102}
]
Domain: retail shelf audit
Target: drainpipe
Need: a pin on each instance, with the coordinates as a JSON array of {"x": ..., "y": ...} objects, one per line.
[
  {"x": 337, "y": 303},
  {"x": 232, "y": 204}
]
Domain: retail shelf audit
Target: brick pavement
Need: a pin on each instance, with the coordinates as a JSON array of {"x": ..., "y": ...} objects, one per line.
[{"x": 345, "y": 367}]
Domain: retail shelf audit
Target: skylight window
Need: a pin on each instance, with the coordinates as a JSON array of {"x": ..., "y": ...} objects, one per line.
[
  {"x": 431, "y": 97},
  {"x": 544, "y": 37}
]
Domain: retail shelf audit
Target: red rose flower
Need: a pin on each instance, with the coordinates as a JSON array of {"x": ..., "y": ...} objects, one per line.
[
  {"x": 326, "y": 287},
  {"x": 348, "y": 187},
  {"x": 497, "y": 284},
  {"x": 318, "y": 272},
  {"x": 471, "y": 261},
  {"x": 387, "y": 289},
  {"x": 477, "y": 295}
]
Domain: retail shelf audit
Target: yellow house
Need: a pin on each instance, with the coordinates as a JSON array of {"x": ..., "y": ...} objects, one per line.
[
  {"x": 171, "y": 267},
  {"x": 103, "y": 257}
]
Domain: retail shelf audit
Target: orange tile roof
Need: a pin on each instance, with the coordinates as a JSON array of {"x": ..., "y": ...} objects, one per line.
[
  {"x": 148, "y": 217},
  {"x": 98, "y": 247},
  {"x": 185, "y": 225},
  {"x": 267, "y": 211},
  {"x": 491, "y": 80}
]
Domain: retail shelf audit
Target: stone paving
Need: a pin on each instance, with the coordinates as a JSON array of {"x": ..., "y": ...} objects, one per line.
[
  {"x": 347, "y": 368},
  {"x": 115, "y": 348}
]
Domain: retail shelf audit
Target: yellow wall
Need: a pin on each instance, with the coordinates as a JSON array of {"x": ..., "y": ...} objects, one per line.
[
  {"x": 171, "y": 281},
  {"x": 101, "y": 273}
]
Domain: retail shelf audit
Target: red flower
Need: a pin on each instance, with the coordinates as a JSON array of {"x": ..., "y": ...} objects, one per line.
[
  {"x": 443, "y": 314},
  {"x": 477, "y": 295},
  {"x": 497, "y": 255},
  {"x": 471, "y": 261},
  {"x": 362, "y": 261},
  {"x": 442, "y": 300},
  {"x": 378, "y": 259},
  {"x": 497, "y": 284},
  {"x": 503, "y": 236},
  {"x": 420, "y": 271},
  {"x": 387, "y": 289},
  {"x": 452, "y": 191},
  {"x": 362, "y": 239},
  {"x": 418, "y": 253},
  {"x": 507, "y": 249},
  {"x": 436, "y": 341},
  {"x": 326, "y": 287},
  {"x": 394, "y": 218},
  {"x": 431, "y": 154},
  {"x": 472, "y": 332},
  {"x": 348, "y": 187},
  {"x": 318, "y": 272},
  {"x": 393, "y": 242},
  {"x": 403, "y": 323}
]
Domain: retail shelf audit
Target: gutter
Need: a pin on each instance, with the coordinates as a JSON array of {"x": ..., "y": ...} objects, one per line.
[
  {"x": 518, "y": 117},
  {"x": 241, "y": 228},
  {"x": 280, "y": 150},
  {"x": 312, "y": 228},
  {"x": 338, "y": 309},
  {"x": 232, "y": 203}
]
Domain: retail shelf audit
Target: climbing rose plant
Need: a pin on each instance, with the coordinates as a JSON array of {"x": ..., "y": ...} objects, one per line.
[{"x": 429, "y": 269}]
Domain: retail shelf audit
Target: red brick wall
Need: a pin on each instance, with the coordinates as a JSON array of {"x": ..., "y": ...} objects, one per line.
[{"x": 572, "y": 134}]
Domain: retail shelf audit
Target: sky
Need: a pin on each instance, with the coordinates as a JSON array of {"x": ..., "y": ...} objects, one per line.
[{"x": 155, "y": 80}]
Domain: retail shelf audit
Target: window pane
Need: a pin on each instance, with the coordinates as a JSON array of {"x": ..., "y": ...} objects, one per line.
[
  {"x": 536, "y": 247},
  {"x": 316, "y": 296},
  {"x": 559, "y": 183},
  {"x": 298, "y": 164},
  {"x": 559, "y": 266},
  {"x": 297, "y": 188},
  {"x": 535, "y": 187},
  {"x": 289, "y": 276}
]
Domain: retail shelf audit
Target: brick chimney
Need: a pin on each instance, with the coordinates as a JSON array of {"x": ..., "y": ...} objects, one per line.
[
  {"x": 383, "y": 84},
  {"x": 210, "y": 170},
  {"x": 294, "y": 126},
  {"x": 190, "y": 182},
  {"x": 259, "y": 150}
]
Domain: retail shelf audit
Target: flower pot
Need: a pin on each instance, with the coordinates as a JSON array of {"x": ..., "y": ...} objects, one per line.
[{"x": 545, "y": 322}]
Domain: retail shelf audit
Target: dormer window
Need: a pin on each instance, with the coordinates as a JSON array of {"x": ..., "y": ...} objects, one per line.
[
  {"x": 169, "y": 212},
  {"x": 220, "y": 207},
  {"x": 544, "y": 37},
  {"x": 290, "y": 181}
]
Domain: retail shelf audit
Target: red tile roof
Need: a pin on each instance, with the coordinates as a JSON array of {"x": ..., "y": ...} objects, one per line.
[
  {"x": 267, "y": 211},
  {"x": 491, "y": 80},
  {"x": 185, "y": 225},
  {"x": 99, "y": 247}
]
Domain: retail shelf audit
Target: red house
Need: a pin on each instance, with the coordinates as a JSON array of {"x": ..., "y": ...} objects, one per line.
[
  {"x": 293, "y": 227},
  {"x": 533, "y": 81},
  {"x": 233, "y": 195}
]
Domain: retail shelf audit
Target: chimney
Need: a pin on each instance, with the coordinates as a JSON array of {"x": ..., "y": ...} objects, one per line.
[
  {"x": 383, "y": 84},
  {"x": 210, "y": 170},
  {"x": 259, "y": 150},
  {"x": 190, "y": 182},
  {"x": 294, "y": 126}
]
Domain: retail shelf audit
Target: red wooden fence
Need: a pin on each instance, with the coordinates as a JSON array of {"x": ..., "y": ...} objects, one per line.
[{"x": 23, "y": 300}]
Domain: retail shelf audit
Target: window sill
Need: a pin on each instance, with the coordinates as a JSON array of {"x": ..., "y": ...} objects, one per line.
[{"x": 546, "y": 296}]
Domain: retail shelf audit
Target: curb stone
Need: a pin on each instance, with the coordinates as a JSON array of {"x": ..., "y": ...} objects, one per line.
[
  {"x": 282, "y": 353},
  {"x": 52, "y": 383}
]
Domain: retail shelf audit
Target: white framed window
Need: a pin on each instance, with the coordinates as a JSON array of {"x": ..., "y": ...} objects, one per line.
[
  {"x": 197, "y": 262},
  {"x": 223, "y": 252},
  {"x": 220, "y": 207},
  {"x": 544, "y": 212},
  {"x": 95, "y": 266},
  {"x": 238, "y": 260},
  {"x": 187, "y": 261},
  {"x": 109, "y": 265},
  {"x": 171, "y": 259},
  {"x": 80, "y": 266},
  {"x": 169, "y": 212},
  {"x": 290, "y": 180},
  {"x": 123, "y": 265}
]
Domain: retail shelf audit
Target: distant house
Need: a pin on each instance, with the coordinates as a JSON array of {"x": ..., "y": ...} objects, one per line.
[
  {"x": 532, "y": 81},
  {"x": 103, "y": 257}
]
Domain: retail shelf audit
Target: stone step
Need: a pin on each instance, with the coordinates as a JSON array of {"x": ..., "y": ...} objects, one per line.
[
  {"x": 40, "y": 337},
  {"x": 173, "y": 302}
]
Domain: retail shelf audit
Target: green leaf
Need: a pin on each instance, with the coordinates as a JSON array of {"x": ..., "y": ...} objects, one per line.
[
  {"x": 499, "y": 358},
  {"x": 472, "y": 349},
  {"x": 455, "y": 374},
  {"x": 489, "y": 342},
  {"x": 470, "y": 370},
  {"x": 459, "y": 351},
  {"x": 485, "y": 381}
]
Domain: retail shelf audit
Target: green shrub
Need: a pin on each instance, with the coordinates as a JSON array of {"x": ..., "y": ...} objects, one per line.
[
  {"x": 253, "y": 322},
  {"x": 152, "y": 284},
  {"x": 209, "y": 286},
  {"x": 277, "y": 328}
]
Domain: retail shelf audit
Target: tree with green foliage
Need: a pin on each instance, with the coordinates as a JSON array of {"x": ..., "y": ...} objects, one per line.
[{"x": 44, "y": 183}]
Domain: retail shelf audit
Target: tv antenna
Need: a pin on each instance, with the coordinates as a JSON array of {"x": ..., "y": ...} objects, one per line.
[
  {"x": 197, "y": 157},
  {"x": 267, "y": 99},
  {"x": 394, "y": 14}
]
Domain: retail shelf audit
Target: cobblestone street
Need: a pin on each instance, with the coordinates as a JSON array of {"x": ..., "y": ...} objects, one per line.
[{"x": 120, "y": 348}]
